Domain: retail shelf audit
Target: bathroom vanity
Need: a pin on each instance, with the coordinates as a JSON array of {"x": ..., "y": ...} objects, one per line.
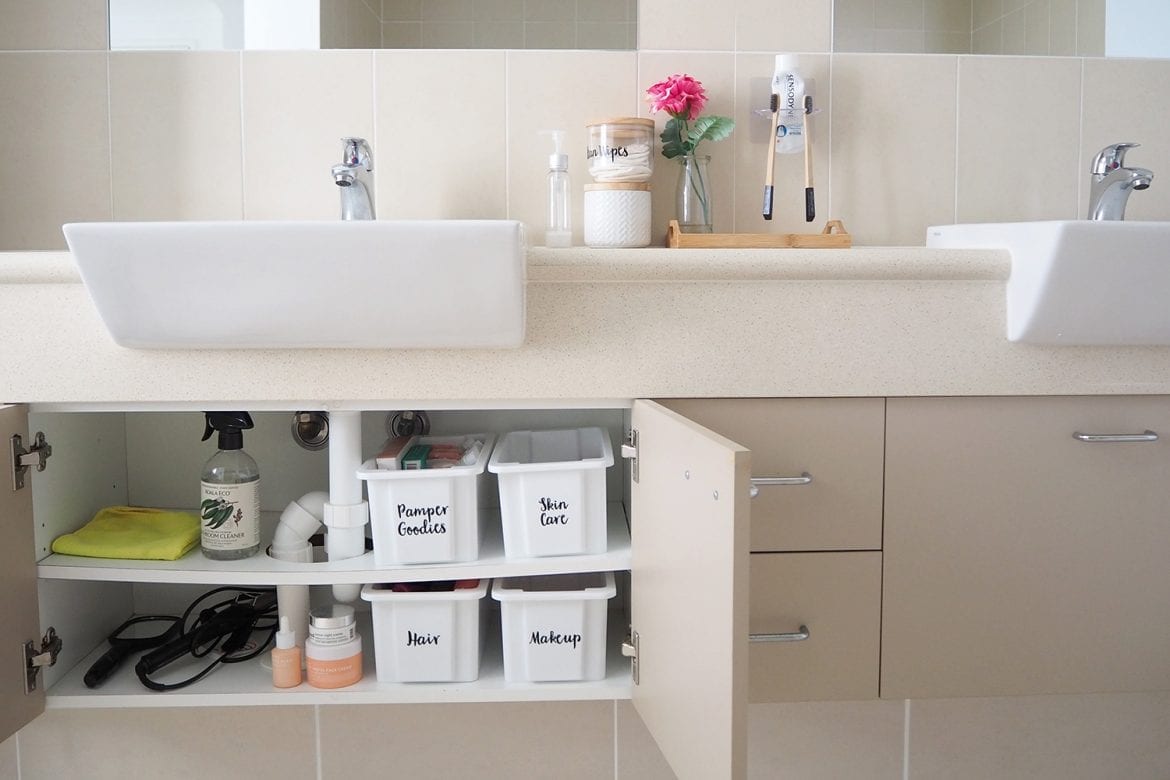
[{"x": 924, "y": 527}]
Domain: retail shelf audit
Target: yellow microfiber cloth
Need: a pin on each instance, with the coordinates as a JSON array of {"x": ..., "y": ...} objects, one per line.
[{"x": 132, "y": 532}]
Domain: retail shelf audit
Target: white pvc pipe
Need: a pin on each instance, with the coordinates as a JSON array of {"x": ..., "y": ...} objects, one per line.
[
  {"x": 345, "y": 513},
  {"x": 299, "y": 521}
]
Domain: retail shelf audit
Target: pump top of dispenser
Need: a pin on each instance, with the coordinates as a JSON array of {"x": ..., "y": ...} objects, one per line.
[
  {"x": 286, "y": 638},
  {"x": 230, "y": 426},
  {"x": 558, "y": 160}
]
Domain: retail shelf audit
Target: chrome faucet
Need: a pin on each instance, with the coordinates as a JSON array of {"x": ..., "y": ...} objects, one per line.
[
  {"x": 1113, "y": 182},
  {"x": 355, "y": 176}
]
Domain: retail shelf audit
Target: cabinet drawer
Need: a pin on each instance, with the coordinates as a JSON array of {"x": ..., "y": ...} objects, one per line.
[
  {"x": 837, "y": 597},
  {"x": 836, "y": 441}
]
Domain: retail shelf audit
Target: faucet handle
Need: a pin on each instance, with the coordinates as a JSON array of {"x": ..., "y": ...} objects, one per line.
[
  {"x": 1111, "y": 157},
  {"x": 356, "y": 151}
]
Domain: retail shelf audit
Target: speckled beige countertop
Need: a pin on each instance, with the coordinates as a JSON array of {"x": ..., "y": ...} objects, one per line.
[{"x": 604, "y": 327}]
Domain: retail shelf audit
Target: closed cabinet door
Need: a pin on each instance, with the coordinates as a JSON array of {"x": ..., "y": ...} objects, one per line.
[{"x": 1026, "y": 546}]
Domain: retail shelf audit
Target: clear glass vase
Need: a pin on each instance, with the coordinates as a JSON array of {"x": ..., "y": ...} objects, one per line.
[{"x": 693, "y": 196}]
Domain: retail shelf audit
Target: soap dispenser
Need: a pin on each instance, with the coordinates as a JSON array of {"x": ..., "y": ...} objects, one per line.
[
  {"x": 229, "y": 509},
  {"x": 558, "y": 226}
]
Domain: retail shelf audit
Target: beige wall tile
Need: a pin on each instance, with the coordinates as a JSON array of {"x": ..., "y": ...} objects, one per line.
[
  {"x": 603, "y": 11},
  {"x": 54, "y": 120},
  {"x": 8, "y": 758},
  {"x": 853, "y": 15},
  {"x": 1112, "y": 89},
  {"x": 483, "y": 741},
  {"x": 602, "y": 35},
  {"x": 1041, "y": 737},
  {"x": 447, "y": 35},
  {"x": 68, "y": 25},
  {"x": 550, "y": 10},
  {"x": 1015, "y": 33},
  {"x": 796, "y": 26},
  {"x": 437, "y": 163},
  {"x": 297, "y": 107},
  {"x": 948, "y": 15},
  {"x": 499, "y": 35},
  {"x": 363, "y": 26},
  {"x": 401, "y": 10},
  {"x": 499, "y": 10},
  {"x": 858, "y": 40},
  {"x": 893, "y": 154},
  {"x": 1010, "y": 103},
  {"x": 638, "y": 756},
  {"x": 1037, "y": 20},
  {"x": 984, "y": 12},
  {"x": 683, "y": 25},
  {"x": 899, "y": 14},
  {"x": 175, "y": 125},
  {"x": 988, "y": 39},
  {"x": 180, "y": 742},
  {"x": 899, "y": 41},
  {"x": 1062, "y": 30},
  {"x": 948, "y": 43},
  {"x": 401, "y": 35},
  {"x": 550, "y": 35},
  {"x": 814, "y": 740},
  {"x": 559, "y": 90},
  {"x": 750, "y": 147},
  {"x": 717, "y": 73},
  {"x": 1091, "y": 28},
  {"x": 448, "y": 11}
]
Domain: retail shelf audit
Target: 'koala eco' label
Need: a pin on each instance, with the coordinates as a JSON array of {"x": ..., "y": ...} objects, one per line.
[{"x": 229, "y": 515}]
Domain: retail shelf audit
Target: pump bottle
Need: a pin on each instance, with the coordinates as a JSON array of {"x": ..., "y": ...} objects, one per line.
[
  {"x": 229, "y": 509},
  {"x": 559, "y": 226}
]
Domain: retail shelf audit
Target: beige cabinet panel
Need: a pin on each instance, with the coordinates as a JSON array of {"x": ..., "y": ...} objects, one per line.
[
  {"x": 1018, "y": 559},
  {"x": 837, "y": 597},
  {"x": 837, "y": 441},
  {"x": 689, "y": 592},
  {"x": 18, "y": 583}
]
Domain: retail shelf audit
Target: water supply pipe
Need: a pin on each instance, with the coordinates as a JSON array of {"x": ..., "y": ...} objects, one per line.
[{"x": 345, "y": 514}]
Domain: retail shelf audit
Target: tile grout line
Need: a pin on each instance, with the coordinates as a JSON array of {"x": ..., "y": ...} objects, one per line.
[
  {"x": 243, "y": 168},
  {"x": 317, "y": 740},
  {"x": 110, "y": 132},
  {"x": 906, "y": 741}
]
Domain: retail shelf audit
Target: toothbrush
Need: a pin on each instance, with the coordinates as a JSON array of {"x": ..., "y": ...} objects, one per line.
[
  {"x": 770, "y": 171},
  {"x": 810, "y": 209}
]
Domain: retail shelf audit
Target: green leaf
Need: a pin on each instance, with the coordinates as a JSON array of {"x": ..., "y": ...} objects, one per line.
[
  {"x": 208, "y": 503},
  {"x": 710, "y": 128},
  {"x": 672, "y": 139}
]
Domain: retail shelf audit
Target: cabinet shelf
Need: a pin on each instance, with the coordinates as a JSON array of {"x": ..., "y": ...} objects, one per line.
[
  {"x": 193, "y": 568},
  {"x": 250, "y": 683}
]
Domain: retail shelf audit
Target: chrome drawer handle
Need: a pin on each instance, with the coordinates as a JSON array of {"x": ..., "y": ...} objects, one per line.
[
  {"x": 758, "y": 482},
  {"x": 1115, "y": 438},
  {"x": 792, "y": 636}
]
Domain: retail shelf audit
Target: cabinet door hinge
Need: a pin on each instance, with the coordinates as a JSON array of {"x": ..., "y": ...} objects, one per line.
[
  {"x": 23, "y": 459},
  {"x": 35, "y": 659},
  {"x": 630, "y": 650},
  {"x": 630, "y": 451}
]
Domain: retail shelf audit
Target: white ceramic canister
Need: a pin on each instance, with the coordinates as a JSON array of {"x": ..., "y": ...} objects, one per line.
[{"x": 617, "y": 214}]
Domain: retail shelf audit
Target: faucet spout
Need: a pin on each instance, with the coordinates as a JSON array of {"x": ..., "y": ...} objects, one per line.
[
  {"x": 1112, "y": 182},
  {"x": 355, "y": 175}
]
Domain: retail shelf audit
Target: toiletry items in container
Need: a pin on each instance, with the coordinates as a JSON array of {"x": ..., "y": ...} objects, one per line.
[
  {"x": 554, "y": 627},
  {"x": 286, "y": 658},
  {"x": 428, "y": 631},
  {"x": 230, "y": 491},
  {"x": 428, "y": 514},
  {"x": 621, "y": 150},
  {"x": 617, "y": 214},
  {"x": 559, "y": 222},
  {"x": 552, "y": 491},
  {"x": 333, "y": 651}
]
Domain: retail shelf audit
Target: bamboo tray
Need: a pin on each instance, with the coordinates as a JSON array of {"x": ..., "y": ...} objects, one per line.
[{"x": 834, "y": 236}]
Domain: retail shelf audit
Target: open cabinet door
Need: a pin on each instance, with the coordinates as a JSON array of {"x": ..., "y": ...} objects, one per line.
[
  {"x": 689, "y": 589},
  {"x": 18, "y": 584}
]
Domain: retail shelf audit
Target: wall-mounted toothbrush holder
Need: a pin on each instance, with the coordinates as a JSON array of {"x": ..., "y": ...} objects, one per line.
[{"x": 833, "y": 236}]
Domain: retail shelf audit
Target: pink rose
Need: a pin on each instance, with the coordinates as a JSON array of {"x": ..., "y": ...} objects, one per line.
[{"x": 680, "y": 96}]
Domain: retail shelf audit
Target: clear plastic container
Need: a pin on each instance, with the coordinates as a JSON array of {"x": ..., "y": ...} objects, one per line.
[{"x": 621, "y": 150}]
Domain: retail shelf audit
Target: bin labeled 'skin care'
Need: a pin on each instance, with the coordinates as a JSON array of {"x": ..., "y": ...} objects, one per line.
[
  {"x": 554, "y": 626},
  {"x": 552, "y": 491}
]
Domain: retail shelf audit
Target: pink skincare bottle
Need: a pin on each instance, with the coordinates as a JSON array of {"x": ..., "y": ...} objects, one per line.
[
  {"x": 286, "y": 658},
  {"x": 333, "y": 651}
]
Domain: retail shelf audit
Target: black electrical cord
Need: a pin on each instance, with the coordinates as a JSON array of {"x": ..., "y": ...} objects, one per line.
[{"x": 226, "y": 626}]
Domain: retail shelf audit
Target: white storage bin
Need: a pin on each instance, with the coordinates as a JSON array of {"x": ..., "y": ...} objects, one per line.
[
  {"x": 430, "y": 636},
  {"x": 554, "y": 626},
  {"x": 552, "y": 491},
  {"x": 426, "y": 515}
]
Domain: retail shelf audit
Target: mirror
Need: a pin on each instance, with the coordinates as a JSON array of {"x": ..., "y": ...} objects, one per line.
[
  {"x": 373, "y": 24},
  {"x": 1085, "y": 28}
]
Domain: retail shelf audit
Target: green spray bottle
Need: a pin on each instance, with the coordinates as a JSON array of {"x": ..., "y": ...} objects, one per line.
[{"x": 229, "y": 509}]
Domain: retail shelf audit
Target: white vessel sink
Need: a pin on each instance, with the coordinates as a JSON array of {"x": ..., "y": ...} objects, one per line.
[
  {"x": 377, "y": 284},
  {"x": 1079, "y": 282}
]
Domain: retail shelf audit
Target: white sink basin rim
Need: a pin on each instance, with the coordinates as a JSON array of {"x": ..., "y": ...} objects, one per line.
[
  {"x": 1078, "y": 282},
  {"x": 257, "y": 284}
]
